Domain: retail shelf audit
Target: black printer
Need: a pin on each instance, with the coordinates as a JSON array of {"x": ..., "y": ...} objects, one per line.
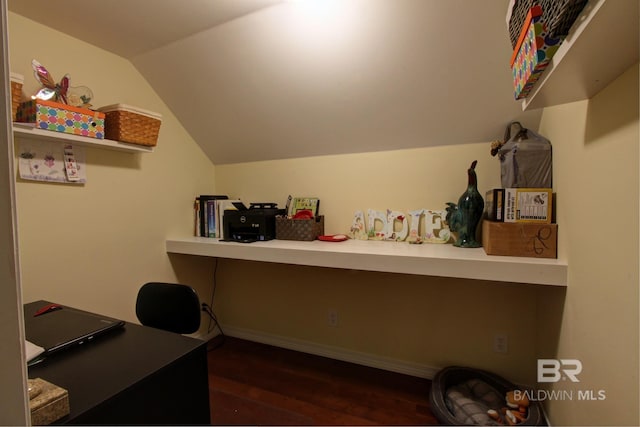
[{"x": 256, "y": 223}]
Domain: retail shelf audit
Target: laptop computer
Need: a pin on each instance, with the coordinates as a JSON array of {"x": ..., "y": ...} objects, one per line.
[{"x": 61, "y": 327}]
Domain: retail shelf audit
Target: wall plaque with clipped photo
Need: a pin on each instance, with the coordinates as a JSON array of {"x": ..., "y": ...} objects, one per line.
[{"x": 304, "y": 203}]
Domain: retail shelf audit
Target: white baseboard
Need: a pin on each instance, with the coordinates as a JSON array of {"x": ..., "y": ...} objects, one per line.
[
  {"x": 365, "y": 359},
  {"x": 207, "y": 336}
]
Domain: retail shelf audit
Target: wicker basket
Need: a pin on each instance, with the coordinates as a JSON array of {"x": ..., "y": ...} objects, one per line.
[
  {"x": 299, "y": 229},
  {"x": 558, "y": 16},
  {"x": 131, "y": 124},
  {"x": 16, "y": 93}
]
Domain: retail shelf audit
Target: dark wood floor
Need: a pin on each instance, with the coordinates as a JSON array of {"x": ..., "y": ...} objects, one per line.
[{"x": 257, "y": 384}]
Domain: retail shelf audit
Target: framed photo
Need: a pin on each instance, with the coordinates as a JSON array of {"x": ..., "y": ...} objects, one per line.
[{"x": 304, "y": 203}]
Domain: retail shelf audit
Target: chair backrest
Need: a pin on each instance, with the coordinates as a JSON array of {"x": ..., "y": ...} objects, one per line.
[{"x": 169, "y": 306}]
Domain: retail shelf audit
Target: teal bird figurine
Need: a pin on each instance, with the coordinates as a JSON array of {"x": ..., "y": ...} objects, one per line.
[{"x": 464, "y": 217}]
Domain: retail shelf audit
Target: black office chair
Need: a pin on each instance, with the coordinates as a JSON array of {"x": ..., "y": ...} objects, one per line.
[{"x": 169, "y": 306}]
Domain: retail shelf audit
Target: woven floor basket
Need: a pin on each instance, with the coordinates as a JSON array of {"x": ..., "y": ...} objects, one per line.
[{"x": 127, "y": 126}]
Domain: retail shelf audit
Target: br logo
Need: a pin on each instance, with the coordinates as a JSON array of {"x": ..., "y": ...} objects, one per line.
[{"x": 554, "y": 370}]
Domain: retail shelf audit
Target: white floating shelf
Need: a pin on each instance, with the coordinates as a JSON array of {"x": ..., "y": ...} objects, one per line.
[
  {"x": 603, "y": 44},
  {"x": 384, "y": 256},
  {"x": 29, "y": 131}
]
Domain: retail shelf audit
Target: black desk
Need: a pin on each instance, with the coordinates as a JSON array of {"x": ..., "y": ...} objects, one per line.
[{"x": 137, "y": 375}]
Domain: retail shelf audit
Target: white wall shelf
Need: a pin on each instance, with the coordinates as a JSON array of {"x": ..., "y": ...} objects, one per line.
[
  {"x": 29, "y": 131},
  {"x": 381, "y": 256},
  {"x": 603, "y": 44}
]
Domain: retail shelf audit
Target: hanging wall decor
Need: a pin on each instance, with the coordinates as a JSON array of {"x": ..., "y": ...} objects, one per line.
[{"x": 51, "y": 162}]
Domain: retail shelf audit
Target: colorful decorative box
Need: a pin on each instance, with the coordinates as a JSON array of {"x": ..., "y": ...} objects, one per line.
[
  {"x": 58, "y": 117},
  {"x": 16, "y": 93},
  {"x": 532, "y": 53},
  {"x": 130, "y": 124}
]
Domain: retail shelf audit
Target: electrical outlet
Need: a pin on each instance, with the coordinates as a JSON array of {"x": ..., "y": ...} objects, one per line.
[
  {"x": 332, "y": 317},
  {"x": 500, "y": 343}
]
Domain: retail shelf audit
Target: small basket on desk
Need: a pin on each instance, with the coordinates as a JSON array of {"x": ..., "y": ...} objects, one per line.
[
  {"x": 299, "y": 229},
  {"x": 125, "y": 123}
]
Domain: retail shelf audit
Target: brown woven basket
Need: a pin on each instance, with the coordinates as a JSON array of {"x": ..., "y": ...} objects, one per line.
[
  {"x": 299, "y": 229},
  {"x": 16, "y": 97},
  {"x": 558, "y": 15},
  {"x": 127, "y": 124}
]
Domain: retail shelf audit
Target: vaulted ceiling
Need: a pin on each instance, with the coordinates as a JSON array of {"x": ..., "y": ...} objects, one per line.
[{"x": 271, "y": 79}]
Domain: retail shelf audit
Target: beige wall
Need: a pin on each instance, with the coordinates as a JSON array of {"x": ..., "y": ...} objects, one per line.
[
  {"x": 428, "y": 322},
  {"x": 596, "y": 179},
  {"x": 402, "y": 180},
  {"x": 93, "y": 245},
  {"x": 433, "y": 322}
]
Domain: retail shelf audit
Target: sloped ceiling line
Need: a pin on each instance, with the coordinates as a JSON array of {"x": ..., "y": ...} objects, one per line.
[{"x": 272, "y": 79}]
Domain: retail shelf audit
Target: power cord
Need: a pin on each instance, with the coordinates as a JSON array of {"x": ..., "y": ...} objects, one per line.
[
  {"x": 212, "y": 317},
  {"x": 208, "y": 308}
]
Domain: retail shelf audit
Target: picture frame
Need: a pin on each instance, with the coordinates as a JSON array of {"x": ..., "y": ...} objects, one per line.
[{"x": 304, "y": 203}]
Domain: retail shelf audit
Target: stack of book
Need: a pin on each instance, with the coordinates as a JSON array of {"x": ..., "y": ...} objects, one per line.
[
  {"x": 518, "y": 222},
  {"x": 208, "y": 211}
]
